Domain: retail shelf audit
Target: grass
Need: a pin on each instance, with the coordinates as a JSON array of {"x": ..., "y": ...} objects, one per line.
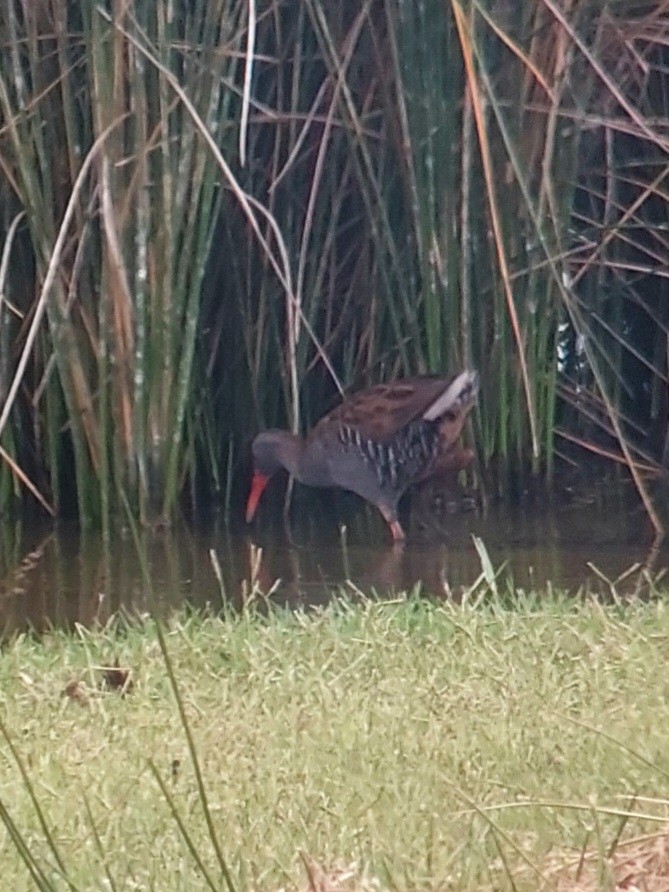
[{"x": 428, "y": 745}]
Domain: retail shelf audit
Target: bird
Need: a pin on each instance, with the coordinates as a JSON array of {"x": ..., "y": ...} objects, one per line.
[{"x": 376, "y": 443}]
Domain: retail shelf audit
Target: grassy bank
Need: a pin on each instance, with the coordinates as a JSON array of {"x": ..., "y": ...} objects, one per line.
[{"x": 429, "y": 746}]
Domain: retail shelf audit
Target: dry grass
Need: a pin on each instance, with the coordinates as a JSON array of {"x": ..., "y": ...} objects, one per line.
[{"x": 637, "y": 865}]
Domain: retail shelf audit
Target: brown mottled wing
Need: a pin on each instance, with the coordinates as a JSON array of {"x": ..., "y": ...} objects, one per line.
[{"x": 381, "y": 411}]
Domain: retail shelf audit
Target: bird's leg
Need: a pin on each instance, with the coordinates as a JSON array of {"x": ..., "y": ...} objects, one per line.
[{"x": 390, "y": 517}]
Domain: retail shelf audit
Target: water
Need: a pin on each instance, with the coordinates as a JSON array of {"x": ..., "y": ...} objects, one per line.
[{"x": 59, "y": 575}]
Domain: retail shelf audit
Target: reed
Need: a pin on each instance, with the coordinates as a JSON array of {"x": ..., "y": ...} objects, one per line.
[
  {"x": 122, "y": 309},
  {"x": 230, "y": 218}
]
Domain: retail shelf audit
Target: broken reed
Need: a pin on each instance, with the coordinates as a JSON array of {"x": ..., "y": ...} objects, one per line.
[{"x": 433, "y": 186}]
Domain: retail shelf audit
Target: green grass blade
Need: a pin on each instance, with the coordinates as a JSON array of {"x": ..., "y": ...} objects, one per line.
[
  {"x": 188, "y": 839},
  {"x": 46, "y": 830}
]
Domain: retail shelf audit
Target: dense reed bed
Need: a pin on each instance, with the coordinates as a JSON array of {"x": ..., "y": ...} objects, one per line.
[{"x": 216, "y": 215}]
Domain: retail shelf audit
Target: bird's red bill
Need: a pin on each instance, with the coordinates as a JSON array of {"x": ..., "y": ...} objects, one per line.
[{"x": 257, "y": 487}]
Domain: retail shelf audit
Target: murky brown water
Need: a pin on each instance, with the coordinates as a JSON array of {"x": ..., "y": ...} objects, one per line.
[{"x": 59, "y": 575}]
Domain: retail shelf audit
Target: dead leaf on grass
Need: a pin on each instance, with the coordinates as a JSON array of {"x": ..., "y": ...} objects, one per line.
[
  {"x": 118, "y": 678},
  {"x": 76, "y": 691},
  {"x": 338, "y": 878}
]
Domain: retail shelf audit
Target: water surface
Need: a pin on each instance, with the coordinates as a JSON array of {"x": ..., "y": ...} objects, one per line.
[{"x": 58, "y": 575}]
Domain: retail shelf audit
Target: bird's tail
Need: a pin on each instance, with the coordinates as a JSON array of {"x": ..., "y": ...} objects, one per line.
[{"x": 458, "y": 397}]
